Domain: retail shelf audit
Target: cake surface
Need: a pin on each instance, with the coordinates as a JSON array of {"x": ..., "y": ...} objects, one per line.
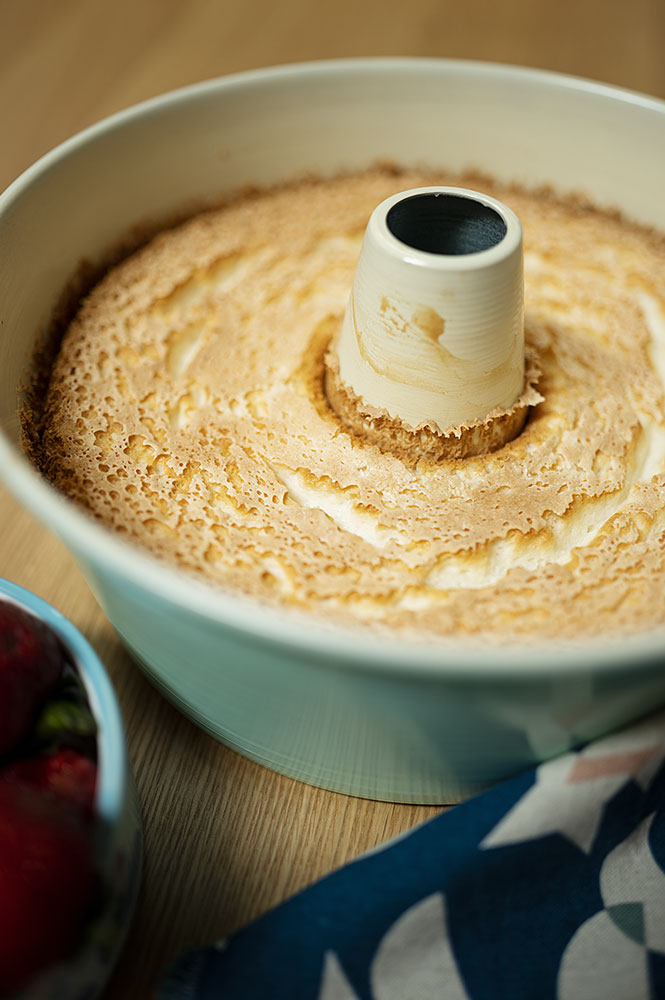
[{"x": 187, "y": 411}]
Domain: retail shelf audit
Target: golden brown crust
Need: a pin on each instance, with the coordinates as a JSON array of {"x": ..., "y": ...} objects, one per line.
[{"x": 187, "y": 410}]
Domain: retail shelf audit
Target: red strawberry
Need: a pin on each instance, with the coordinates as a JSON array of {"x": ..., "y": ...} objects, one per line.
[
  {"x": 31, "y": 662},
  {"x": 65, "y": 774},
  {"x": 47, "y": 882}
]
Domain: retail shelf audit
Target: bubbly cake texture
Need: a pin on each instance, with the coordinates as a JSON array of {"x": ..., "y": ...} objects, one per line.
[{"x": 187, "y": 411}]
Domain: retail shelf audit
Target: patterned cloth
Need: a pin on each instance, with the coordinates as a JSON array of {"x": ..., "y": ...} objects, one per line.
[{"x": 550, "y": 885}]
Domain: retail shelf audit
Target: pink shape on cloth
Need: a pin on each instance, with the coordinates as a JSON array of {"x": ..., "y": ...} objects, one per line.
[{"x": 589, "y": 768}]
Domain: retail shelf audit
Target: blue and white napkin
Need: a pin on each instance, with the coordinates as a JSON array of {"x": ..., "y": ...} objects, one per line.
[{"x": 549, "y": 885}]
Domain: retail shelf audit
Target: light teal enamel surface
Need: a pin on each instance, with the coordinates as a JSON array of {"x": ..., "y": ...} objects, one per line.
[{"x": 384, "y": 719}]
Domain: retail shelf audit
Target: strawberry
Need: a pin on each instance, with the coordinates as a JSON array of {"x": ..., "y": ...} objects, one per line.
[
  {"x": 47, "y": 881},
  {"x": 31, "y": 663},
  {"x": 65, "y": 774}
]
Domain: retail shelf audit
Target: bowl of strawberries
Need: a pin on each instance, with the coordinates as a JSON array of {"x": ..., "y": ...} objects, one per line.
[{"x": 70, "y": 827}]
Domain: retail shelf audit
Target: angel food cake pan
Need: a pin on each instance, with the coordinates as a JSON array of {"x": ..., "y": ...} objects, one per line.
[{"x": 325, "y": 586}]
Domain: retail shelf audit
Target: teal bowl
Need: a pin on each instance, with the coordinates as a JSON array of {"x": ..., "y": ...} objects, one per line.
[
  {"x": 396, "y": 720},
  {"x": 118, "y": 830}
]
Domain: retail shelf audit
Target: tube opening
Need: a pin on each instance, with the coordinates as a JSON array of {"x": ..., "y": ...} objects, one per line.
[{"x": 445, "y": 224}]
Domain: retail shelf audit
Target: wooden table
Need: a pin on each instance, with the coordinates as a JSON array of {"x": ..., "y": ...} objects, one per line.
[{"x": 224, "y": 838}]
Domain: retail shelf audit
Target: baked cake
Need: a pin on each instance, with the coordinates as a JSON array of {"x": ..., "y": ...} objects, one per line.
[{"x": 187, "y": 411}]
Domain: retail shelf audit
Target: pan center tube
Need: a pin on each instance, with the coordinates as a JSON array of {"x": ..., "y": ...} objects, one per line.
[{"x": 430, "y": 359}]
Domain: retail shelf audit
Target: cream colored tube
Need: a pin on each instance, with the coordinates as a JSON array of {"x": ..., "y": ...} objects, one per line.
[{"x": 434, "y": 328}]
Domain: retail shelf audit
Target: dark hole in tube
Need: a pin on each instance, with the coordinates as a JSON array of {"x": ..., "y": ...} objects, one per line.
[{"x": 445, "y": 224}]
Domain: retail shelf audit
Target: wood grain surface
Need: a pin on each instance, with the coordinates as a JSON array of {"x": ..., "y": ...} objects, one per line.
[{"x": 225, "y": 838}]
